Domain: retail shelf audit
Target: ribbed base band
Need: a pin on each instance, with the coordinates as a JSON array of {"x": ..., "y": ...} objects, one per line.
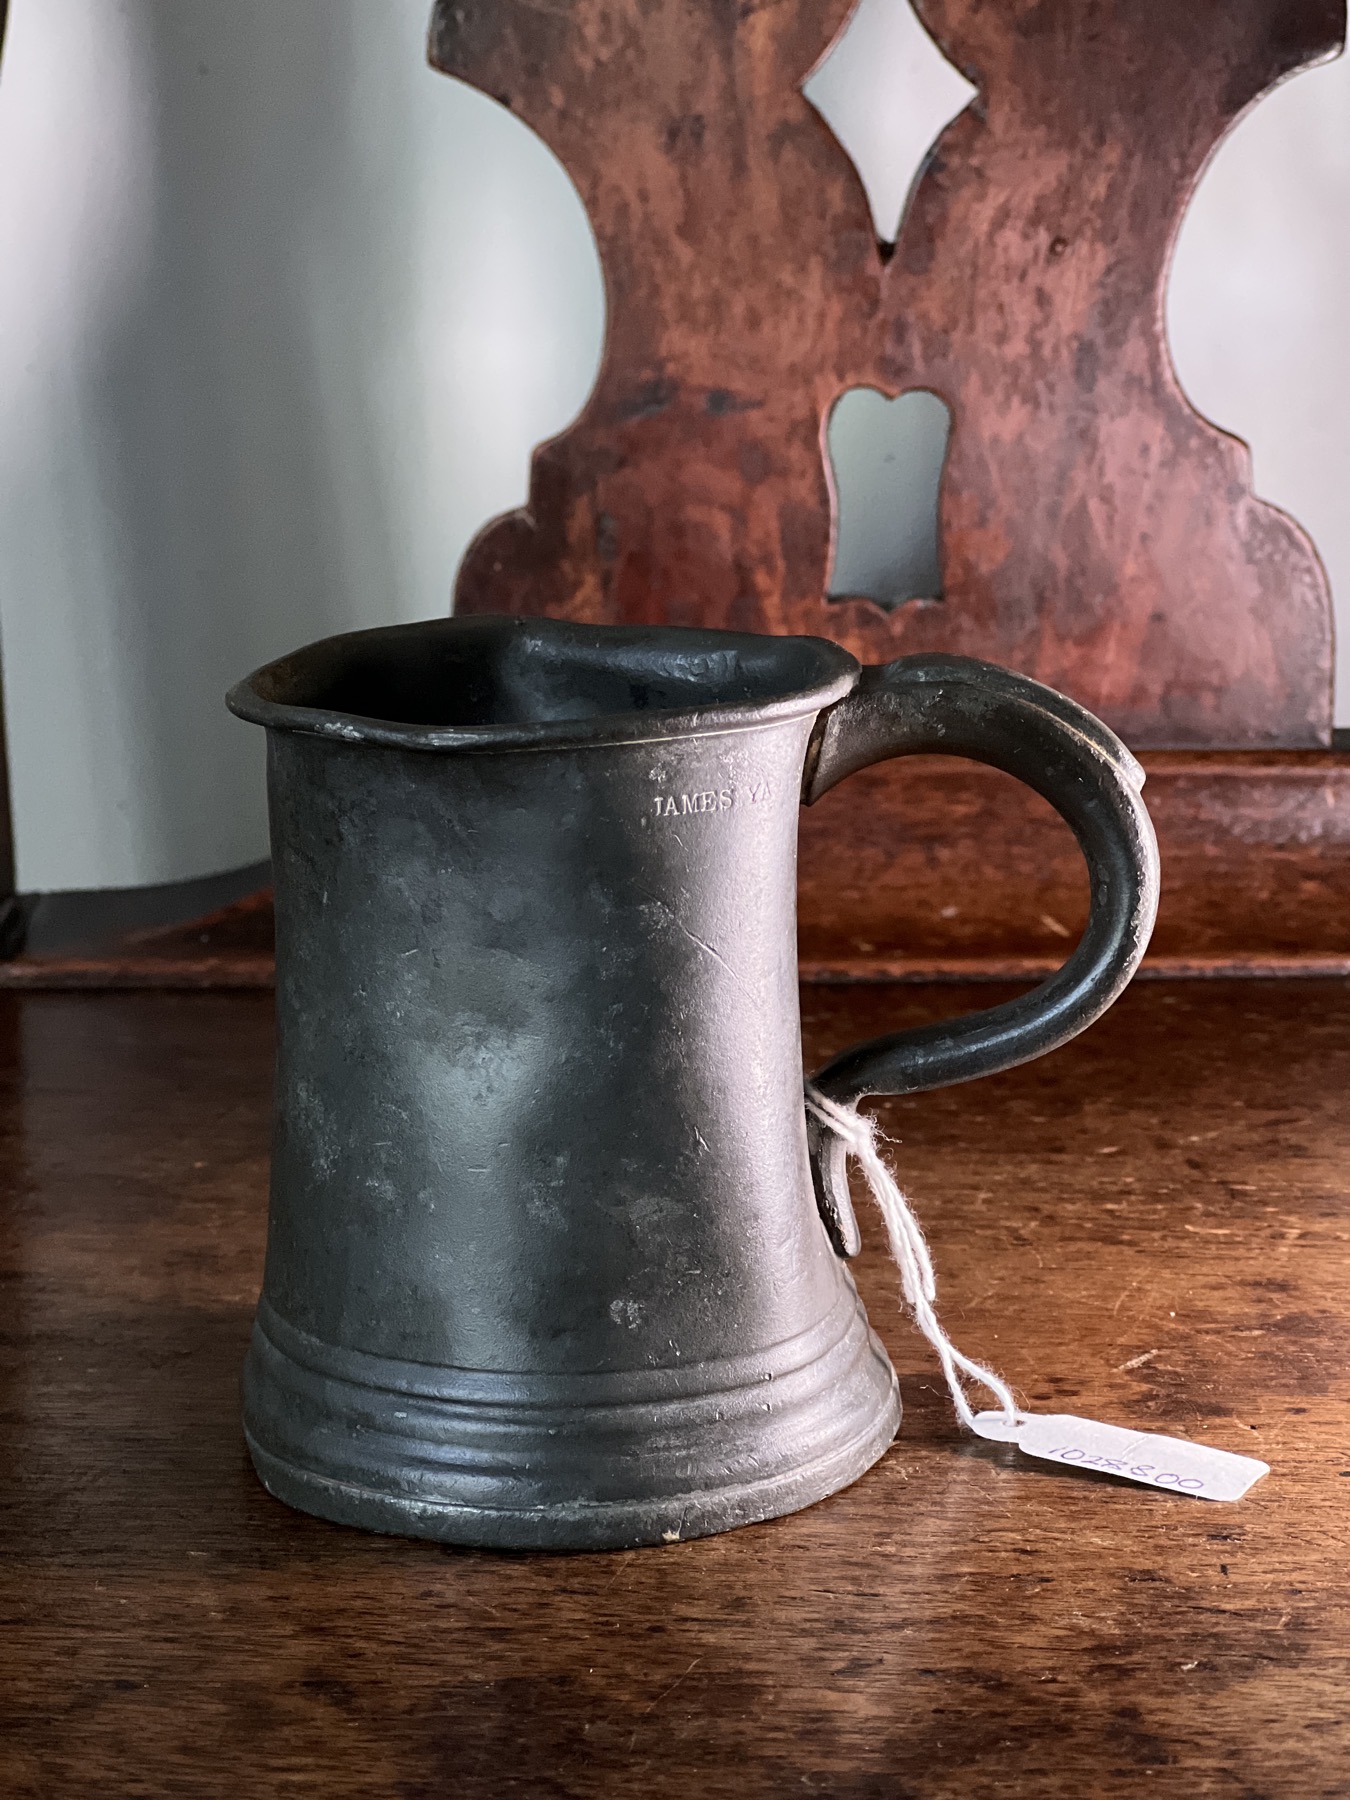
[{"x": 567, "y": 1462}]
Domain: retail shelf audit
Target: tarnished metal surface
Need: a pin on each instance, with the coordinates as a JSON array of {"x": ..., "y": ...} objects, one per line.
[
  {"x": 544, "y": 1263},
  {"x": 1096, "y": 533}
]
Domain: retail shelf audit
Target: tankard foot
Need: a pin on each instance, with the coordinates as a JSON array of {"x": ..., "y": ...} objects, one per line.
[{"x": 567, "y": 1462}]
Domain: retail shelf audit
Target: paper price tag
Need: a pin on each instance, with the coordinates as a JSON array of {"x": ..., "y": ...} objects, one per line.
[
  {"x": 1173, "y": 1464},
  {"x": 1146, "y": 1457}
]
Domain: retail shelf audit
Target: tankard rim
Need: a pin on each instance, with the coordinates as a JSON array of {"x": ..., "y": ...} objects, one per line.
[{"x": 799, "y": 676}]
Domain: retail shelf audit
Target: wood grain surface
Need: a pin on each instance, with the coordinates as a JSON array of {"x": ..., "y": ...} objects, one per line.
[
  {"x": 232, "y": 947},
  {"x": 1094, "y": 531},
  {"x": 934, "y": 868},
  {"x": 1151, "y": 1226}
]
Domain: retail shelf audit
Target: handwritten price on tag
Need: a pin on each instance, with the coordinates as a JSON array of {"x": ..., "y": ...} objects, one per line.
[
  {"x": 1114, "y": 1465},
  {"x": 1182, "y": 1467}
]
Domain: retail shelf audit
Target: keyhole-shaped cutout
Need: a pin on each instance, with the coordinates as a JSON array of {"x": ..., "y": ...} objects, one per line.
[
  {"x": 886, "y": 92},
  {"x": 887, "y": 458}
]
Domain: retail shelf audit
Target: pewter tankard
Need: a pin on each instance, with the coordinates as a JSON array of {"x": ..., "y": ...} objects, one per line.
[{"x": 553, "y": 1259}]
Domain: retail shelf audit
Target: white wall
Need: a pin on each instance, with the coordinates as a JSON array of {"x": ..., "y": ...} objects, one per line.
[
  {"x": 1259, "y": 311},
  {"x": 282, "y": 313}
]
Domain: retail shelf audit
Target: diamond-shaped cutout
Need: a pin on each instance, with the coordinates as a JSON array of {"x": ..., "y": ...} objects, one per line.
[{"x": 886, "y": 91}]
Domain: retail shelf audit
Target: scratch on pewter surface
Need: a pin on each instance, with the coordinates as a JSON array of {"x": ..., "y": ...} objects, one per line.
[{"x": 694, "y": 938}]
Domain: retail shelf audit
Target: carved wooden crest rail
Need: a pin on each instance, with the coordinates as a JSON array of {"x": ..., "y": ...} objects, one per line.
[{"x": 1095, "y": 531}]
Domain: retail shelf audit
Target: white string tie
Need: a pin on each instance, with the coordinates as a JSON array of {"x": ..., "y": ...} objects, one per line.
[{"x": 856, "y": 1136}]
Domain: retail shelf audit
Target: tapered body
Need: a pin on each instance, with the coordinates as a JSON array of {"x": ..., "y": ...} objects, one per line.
[{"x": 546, "y": 1263}]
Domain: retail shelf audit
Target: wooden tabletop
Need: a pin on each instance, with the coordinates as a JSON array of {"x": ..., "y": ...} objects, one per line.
[{"x": 1149, "y": 1227}]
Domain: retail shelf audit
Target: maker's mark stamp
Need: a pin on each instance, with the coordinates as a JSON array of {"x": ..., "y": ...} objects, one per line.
[{"x": 710, "y": 800}]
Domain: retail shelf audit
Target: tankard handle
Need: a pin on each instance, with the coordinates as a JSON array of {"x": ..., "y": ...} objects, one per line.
[{"x": 957, "y": 706}]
